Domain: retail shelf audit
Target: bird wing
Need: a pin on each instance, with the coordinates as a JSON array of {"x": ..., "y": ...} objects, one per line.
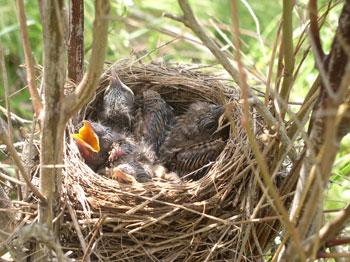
[
  {"x": 138, "y": 124},
  {"x": 194, "y": 157},
  {"x": 157, "y": 117}
]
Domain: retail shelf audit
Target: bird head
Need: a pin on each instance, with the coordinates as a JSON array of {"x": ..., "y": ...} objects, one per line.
[
  {"x": 124, "y": 174},
  {"x": 131, "y": 173},
  {"x": 209, "y": 120},
  {"x": 118, "y": 103},
  {"x": 87, "y": 138},
  {"x": 116, "y": 83}
]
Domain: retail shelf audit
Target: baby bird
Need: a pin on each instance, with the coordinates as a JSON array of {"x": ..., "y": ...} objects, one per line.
[
  {"x": 100, "y": 146},
  {"x": 136, "y": 171},
  {"x": 131, "y": 161},
  {"x": 131, "y": 172},
  {"x": 154, "y": 119},
  {"x": 118, "y": 105},
  {"x": 94, "y": 142},
  {"x": 193, "y": 140}
]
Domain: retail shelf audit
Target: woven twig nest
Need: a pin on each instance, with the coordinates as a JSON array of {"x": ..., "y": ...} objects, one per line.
[{"x": 185, "y": 221}]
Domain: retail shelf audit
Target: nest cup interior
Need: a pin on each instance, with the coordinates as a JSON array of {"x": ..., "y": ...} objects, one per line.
[{"x": 164, "y": 216}]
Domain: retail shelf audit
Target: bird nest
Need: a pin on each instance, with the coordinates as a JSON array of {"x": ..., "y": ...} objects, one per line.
[{"x": 204, "y": 220}]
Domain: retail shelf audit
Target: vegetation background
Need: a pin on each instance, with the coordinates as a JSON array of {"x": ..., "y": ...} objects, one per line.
[{"x": 139, "y": 29}]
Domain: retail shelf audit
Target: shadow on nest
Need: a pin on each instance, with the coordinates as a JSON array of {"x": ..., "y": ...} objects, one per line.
[{"x": 204, "y": 220}]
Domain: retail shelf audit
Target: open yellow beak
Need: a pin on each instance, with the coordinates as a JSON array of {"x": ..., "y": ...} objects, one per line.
[{"x": 87, "y": 137}]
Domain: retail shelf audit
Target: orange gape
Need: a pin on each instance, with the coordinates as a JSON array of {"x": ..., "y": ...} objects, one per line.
[
  {"x": 87, "y": 137},
  {"x": 94, "y": 142}
]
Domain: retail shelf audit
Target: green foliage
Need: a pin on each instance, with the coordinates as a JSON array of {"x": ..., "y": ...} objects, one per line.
[
  {"x": 338, "y": 194},
  {"x": 14, "y": 57}
]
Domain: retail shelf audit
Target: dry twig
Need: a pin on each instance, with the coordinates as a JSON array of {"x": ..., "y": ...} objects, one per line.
[
  {"x": 76, "y": 41},
  {"x": 191, "y": 22},
  {"x": 4, "y": 139},
  {"x": 288, "y": 53},
  {"x": 59, "y": 110},
  {"x": 264, "y": 172},
  {"x": 88, "y": 85},
  {"x": 330, "y": 230},
  {"x": 331, "y": 110},
  {"x": 29, "y": 59},
  {"x": 43, "y": 235}
]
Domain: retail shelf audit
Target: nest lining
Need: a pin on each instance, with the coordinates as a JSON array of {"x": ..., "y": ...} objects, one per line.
[{"x": 160, "y": 220}]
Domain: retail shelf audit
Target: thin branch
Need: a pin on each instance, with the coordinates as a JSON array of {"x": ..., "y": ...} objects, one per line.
[
  {"x": 309, "y": 101},
  {"x": 88, "y": 85},
  {"x": 332, "y": 255},
  {"x": 11, "y": 179},
  {"x": 4, "y": 138},
  {"x": 77, "y": 229},
  {"x": 6, "y": 92},
  {"x": 331, "y": 229},
  {"x": 76, "y": 41},
  {"x": 15, "y": 118},
  {"x": 288, "y": 53},
  {"x": 29, "y": 60},
  {"x": 177, "y": 18},
  {"x": 272, "y": 60},
  {"x": 314, "y": 30},
  {"x": 41, "y": 234},
  {"x": 246, "y": 122},
  {"x": 191, "y": 22},
  {"x": 272, "y": 122},
  {"x": 337, "y": 242},
  {"x": 8, "y": 107}
]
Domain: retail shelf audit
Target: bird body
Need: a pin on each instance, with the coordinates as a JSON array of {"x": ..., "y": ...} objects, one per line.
[
  {"x": 125, "y": 147},
  {"x": 196, "y": 125},
  {"x": 154, "y": 120},
  {"x": 131, "y": 172},
  {"x": 136, "y": 171},
  {"x": 196, "y": 156},
  {"x": 130, "y": 160},
  {"x": 118, "y": 104},
  {"x": 193, "y": 140}
]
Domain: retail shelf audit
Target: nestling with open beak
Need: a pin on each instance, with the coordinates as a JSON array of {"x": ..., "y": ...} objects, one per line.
[
  {"x": 118, "y": 105},
  {"x": 194, "y": 140},
  {"x": 154, "y": 119},
  {"x": 94, "y": 142}
]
